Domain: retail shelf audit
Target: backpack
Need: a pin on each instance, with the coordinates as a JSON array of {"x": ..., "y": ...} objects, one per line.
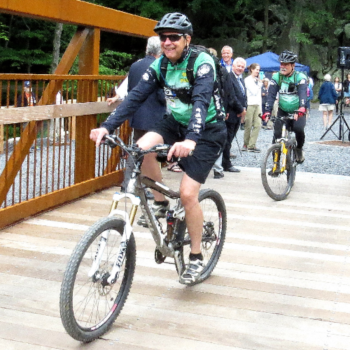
[
  {"x": 292, "y": 86},
  {"x": 185, "y": 94}
]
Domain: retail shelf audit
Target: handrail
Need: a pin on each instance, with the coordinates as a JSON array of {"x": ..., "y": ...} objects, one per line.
[
  {"x": 81, "y": 13},
  {"x": 12, "y": 76}
]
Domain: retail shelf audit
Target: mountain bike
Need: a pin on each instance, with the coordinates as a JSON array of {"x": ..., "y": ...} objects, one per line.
[
  {"x": 278, "y": 167},
  {"x": 100, "y": 271}
]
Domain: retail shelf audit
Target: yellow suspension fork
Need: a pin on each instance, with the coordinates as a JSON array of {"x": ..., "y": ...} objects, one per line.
[{"x": 132, "y": 213}]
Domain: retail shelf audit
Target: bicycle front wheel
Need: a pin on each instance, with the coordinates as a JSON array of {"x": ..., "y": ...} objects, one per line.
[
  {"x": 90, "y": 305},
  {"x": 213, "y": 234},
  {"x": 277, "y": 182}
]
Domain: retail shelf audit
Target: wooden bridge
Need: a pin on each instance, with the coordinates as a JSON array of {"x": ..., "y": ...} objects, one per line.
[
  {"x": 67, "y": 165},
  {"x": 283, "y": 281}
]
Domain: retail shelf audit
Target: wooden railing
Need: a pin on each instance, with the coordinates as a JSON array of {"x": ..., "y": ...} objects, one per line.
[
  {"x": 47, "y": 158},
  {"x": 61, "y": 164}
]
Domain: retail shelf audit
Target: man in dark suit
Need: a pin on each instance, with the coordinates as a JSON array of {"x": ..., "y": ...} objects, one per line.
[
  {"x": 236, "y": 108},
  {"x": 153, "y": 108}
]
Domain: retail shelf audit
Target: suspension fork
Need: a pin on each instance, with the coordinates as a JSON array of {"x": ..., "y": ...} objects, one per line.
[
  {"x": 128, "y": 220},
  {"x": 280, "y": 157}
]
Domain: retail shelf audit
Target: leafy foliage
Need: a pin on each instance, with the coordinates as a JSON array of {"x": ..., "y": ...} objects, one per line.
[
  {"x": 114, "y": 63},
  {"x": 3, "y": 35},
  {"x": 313, "y": 28}
]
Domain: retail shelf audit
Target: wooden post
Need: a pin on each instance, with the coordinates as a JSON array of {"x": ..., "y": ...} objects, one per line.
[
  {"x": 22, "y": 148},
  {"x": 1, "y": 139},
  {"x": 87, "y": 92}
]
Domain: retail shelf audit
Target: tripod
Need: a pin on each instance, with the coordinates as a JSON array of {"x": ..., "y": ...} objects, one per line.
[{"x": 343, "y": 125}]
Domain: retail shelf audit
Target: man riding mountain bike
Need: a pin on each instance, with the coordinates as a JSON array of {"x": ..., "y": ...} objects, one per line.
[
  {"x": 292, "y": 89},
  {"x": 195, "y": 127}
]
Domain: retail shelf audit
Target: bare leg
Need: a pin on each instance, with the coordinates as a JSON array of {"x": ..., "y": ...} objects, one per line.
[
  {"x": 325, "y": 115},
  {"x": 150, "y": 166},
  {"x": 189, "y": 190},
  {"x": 330, "y": 117}
]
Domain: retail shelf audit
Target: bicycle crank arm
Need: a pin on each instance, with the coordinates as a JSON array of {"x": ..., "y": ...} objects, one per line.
[{"x": 178, "y": 262}]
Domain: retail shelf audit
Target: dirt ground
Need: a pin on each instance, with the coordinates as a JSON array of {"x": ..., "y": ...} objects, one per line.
[{"x": 335, "y": 143}]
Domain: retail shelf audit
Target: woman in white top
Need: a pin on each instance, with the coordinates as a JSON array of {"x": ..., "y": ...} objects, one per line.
[{"x": 252, "y": 121}]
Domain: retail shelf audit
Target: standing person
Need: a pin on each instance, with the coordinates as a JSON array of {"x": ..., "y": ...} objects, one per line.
[
  {"x": 227, "y": 60},
  {"x": 252, "y": 121},
  {"x": 328, "y": 97},
  {"x": 236, "y": 109},
  {"x": 346, "y": 85},
  {"x": 310, "y": 96},
  {"x": 195, "y": 127},
  {"x": 338, "y": 88},
  {"x": 264, "y": 93},
  {"x": 292, "y": 89},
  {"x": 152, "y": 109},
  {"x": 27, "y": 98}
]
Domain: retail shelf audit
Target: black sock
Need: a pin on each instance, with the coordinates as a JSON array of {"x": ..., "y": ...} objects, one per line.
[
  {"x": 164, "y": 203},
  {"x": 196, "y": 256}
]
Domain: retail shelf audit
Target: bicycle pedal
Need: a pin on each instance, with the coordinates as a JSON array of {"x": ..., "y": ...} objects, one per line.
[{"x": 142, "y": 221}]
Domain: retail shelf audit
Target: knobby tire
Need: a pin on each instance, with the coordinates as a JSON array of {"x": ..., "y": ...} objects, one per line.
[
  {"x": 89, "y": 307},
  {"x": 213, "y": 235},
  {"x": 278, "y": 185}
]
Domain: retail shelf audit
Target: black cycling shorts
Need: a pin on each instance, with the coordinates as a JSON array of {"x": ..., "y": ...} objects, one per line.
[{"x": 208, "y": 147}]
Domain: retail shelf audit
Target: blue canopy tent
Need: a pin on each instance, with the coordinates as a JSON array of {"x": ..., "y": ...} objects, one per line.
[{"x": 268, "y": 62}]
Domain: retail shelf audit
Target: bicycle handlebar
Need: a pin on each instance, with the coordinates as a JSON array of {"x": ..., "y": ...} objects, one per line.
[
  {"x": 289, "y": 116},
  {"x": 114, "y": 141}
]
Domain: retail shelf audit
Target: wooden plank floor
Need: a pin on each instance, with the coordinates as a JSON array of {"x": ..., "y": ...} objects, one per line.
[{"x": 283, "y": 281}]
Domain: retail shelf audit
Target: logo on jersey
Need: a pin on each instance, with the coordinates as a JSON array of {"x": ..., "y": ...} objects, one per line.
[
  {"x": 203, "y": 69},
  {"x": 197, "y": 126},
  {"x": 145, "y": 76}
]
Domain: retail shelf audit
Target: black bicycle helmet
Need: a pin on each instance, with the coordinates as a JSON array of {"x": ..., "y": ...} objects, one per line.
[
  {"x": 287, "y": 57},
  {"x": 174, "y": 21}
]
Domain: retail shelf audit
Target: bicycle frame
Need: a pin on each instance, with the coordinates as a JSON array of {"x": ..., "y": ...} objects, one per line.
[
  {"x": 136, "y": 194},
  {"x": 285, "y": 141}
]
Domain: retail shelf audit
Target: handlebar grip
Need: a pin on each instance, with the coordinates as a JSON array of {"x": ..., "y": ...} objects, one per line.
[{"x": 109, "y": 141}]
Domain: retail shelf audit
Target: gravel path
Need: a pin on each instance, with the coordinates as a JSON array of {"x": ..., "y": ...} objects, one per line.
[{"x": 319, "y": 158}]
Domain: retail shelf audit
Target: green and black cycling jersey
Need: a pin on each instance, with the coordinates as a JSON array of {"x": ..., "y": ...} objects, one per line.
[
  {"x": 193, "y": 115},
  {"x": 292, "y": 92}
]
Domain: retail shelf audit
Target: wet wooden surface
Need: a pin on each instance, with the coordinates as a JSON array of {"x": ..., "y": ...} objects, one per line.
[{"x": 283, "y": 281}]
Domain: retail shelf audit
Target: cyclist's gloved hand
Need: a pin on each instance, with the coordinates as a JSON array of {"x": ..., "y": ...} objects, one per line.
[
  {"x": 301, "y": 111},
  {"x": 266, "y": 116}
]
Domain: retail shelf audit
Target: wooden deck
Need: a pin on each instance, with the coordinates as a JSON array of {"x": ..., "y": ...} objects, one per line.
[{"x": 283, "y": 281}]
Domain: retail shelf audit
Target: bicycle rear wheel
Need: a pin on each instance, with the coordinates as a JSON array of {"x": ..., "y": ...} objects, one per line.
[
  {"x": 90, "y": 305},
  {"x": 277, "y": 183},
  {"x": 213, "y": 235}
]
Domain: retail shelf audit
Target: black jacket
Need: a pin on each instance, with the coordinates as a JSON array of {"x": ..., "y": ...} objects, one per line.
[
  {"x": 237, "y": 101},
  {"x": 153, "y": 108}
]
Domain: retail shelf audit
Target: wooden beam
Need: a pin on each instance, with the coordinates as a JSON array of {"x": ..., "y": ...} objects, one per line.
[
  {"x": 15, "y": 162},
  {"x": 81, "y": 13},
  {"x": 14, "y": 76},
  {"x": 39, "y": 113},
  {"x": 30, "y": 132},
  {"x": 66, "y": 63},
  {"x": 19, "y": 211}
]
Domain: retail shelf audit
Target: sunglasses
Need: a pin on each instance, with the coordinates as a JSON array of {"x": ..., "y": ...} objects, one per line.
[{"x": 171, "y": 37}]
